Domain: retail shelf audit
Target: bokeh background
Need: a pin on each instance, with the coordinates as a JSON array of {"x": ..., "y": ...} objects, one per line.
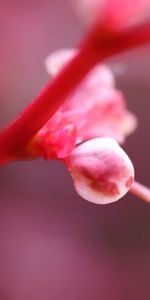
[{"x": 53, "y": 244}]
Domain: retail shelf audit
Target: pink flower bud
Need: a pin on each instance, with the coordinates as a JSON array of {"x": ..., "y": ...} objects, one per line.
[
  {"x": 101, "y": 170},
  {"x": 88, "y": 10},
  {"x": 116, "y": 13}
]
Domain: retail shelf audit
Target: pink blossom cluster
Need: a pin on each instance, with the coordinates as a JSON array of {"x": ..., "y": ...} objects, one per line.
[
  {"x": 80, "y": 117},
  {"x": 84, "y": 133}
]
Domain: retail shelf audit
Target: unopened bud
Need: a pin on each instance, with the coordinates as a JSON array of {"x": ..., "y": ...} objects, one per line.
[{"x": 101, "y": 170}]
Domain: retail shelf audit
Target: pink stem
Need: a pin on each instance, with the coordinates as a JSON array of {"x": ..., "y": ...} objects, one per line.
[
  {"x": 101, "y": 43},
  {"x": 140, "y": 191}
]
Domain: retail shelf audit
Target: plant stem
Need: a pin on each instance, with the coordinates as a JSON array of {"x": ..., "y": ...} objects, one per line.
[
  {"x": 16, "y": 136},
  {"x": 100, "y": 44},
  {"x": 140, "y": 191}
]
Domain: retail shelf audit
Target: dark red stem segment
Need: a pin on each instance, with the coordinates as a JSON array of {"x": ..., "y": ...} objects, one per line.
[{"x": 101, "y": 43}]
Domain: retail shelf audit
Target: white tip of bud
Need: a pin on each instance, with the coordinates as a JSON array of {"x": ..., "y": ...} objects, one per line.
[{"x": 101, "y": 170}]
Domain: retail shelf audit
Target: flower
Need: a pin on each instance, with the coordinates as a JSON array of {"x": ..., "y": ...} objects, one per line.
[
  {"x": 95, "y": 109},
  {"x": 53, "y": 128},
  {"x": 83, "y": 131}
]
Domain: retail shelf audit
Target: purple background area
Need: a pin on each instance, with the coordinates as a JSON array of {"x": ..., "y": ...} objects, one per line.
[{"x": 53, "y": 244}]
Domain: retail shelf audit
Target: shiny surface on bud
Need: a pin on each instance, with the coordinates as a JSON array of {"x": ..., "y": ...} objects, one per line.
[{"x": 101, "y": 170}]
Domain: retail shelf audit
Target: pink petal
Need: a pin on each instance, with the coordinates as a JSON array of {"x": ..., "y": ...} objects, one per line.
[
  {"x": 53, "y": 144},
  {"x": 96, "y": 108}
]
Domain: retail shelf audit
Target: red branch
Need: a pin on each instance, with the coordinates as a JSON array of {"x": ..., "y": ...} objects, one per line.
[{"x": 100, "y": 44}]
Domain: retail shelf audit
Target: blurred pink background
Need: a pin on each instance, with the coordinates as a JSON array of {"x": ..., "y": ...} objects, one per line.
[{"x": 53, "y": 244}]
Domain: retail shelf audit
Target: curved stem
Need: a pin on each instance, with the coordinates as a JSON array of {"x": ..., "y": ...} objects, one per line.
[{"x": 140, "y": 191}]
